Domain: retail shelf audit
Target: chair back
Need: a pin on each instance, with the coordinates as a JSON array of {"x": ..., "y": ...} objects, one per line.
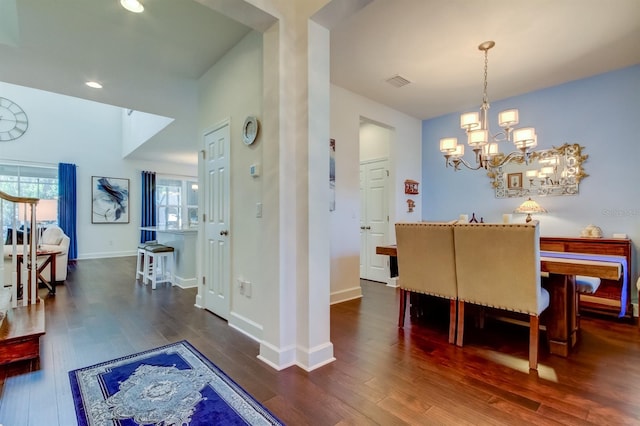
[
  {"x": 498, "y": 265},
  {"x": 426, "y": 260}
]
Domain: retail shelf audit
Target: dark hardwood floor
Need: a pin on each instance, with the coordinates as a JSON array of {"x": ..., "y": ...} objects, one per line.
[{"x": 382, "y": 375}]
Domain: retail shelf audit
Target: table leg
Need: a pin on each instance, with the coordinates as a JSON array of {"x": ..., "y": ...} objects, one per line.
[
  {"x": 562, "y": 322},
  {"x": 393, "y": 266},
  {"x": 49, "y": 260},
  {"x": 19, "y": 276},
  {"x": 52, "y": 261}
]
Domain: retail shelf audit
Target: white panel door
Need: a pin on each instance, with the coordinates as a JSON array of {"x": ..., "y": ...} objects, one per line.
[
  {"x": 374, "y": 219},
  {"x": 217, "y": 261},
  {"x": 363, "y": 210}
]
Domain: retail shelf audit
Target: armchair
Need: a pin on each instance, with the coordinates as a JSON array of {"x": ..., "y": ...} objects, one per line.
[
  {"x": 498, "y": 266},
  {"x": 426, "y": 264}
]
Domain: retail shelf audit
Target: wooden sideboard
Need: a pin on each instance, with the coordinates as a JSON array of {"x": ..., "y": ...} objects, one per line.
[{"x": 608, "y": 297}]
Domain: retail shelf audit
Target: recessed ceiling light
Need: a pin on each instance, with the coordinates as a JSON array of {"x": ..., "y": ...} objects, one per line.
[
  {"x": 132, "y": 5},
  {"x": 94, "y": 84}
]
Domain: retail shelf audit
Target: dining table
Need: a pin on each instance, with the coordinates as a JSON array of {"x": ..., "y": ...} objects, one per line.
[{"x": 559, "y": 270}]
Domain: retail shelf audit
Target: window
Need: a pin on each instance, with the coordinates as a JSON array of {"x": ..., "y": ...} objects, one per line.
[
  {"x": 29, "y": 181},
  {"x": 176, "y": 202}
]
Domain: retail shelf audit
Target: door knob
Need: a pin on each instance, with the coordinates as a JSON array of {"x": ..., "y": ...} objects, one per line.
[
  {"x": 225, "y": 232},
  {"x": 362, "y": 227},
  {"x": 367, "y": 227}
]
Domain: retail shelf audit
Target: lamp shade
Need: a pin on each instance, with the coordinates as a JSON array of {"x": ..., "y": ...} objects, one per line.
[
  {"x": 459, "y": 151},
  {"x": 47, "y": 210},
  {"x": 21, "y": 211},
  {"x": 530, "y": 206},
  {"x": 469, "y": 120},
  {"x": 448, "y": 145},
  {"x": 508, "y": 118},
  {"x": 478, "y": 138}
]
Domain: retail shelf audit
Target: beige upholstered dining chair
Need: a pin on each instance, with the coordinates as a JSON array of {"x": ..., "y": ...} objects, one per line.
[
  {"x": 426, "y": 265},
  {"x": 498, "y": 266}
]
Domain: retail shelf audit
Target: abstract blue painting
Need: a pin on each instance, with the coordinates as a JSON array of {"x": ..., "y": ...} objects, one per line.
[{"x": 109, "y": 200}]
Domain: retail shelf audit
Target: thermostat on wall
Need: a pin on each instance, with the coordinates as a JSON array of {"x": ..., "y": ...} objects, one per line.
[{"x": 254, "y": 170}]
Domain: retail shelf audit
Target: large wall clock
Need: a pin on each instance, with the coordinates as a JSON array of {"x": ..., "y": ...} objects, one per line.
[
  {"x": 13, "y": 120},
  {"x": 250, "y": 130}
]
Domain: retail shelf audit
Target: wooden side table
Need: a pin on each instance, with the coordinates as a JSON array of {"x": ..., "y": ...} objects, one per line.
[{"x": 48, "y": 258}]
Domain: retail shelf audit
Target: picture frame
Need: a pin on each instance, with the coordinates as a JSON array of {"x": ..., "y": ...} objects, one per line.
[
  {"x": 514, "y": 180},
  {"x": 109, "y": 200},
  {"x": 332, "y": 175}
]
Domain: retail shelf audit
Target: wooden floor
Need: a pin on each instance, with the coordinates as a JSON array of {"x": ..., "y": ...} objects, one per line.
[{"x": 382, "y": 375}]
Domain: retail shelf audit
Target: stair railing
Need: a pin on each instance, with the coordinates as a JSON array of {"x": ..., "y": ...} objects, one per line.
[{"x": 28, "y": 250}]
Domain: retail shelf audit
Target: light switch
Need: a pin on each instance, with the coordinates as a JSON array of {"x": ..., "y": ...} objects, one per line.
[{"x": 258, "y": 209}]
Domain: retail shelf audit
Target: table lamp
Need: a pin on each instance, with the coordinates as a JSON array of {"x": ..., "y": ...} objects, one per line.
[{"x": 529, "y": 207}]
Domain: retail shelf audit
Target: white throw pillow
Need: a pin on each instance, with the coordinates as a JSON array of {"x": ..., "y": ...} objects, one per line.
[{"x": 52, "y": 236}]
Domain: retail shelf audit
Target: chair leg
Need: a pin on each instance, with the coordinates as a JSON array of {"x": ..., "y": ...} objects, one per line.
[
  {"x": 140, "y": 264},
  {"x": 402, "y": 307},
  {"x": 453, "y": 318},
  {"x": 534, "y": 337},
  {"x": 459, "y": 338},
  {"x": 147, "y": 265}
]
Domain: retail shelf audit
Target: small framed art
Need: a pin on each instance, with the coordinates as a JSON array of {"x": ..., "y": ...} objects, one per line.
[{"x": 514, "y": 180}]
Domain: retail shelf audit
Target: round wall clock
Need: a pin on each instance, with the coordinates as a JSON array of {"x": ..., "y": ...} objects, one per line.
[
  {"x": 13, "y": 120},
  {"x": 250, "y": 130}
]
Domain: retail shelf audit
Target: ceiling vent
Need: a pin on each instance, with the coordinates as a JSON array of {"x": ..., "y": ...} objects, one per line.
[{"x": 397, "y": 81}]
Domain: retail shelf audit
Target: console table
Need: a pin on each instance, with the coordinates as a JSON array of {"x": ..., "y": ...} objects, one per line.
[{"x": 608, "y": 297}]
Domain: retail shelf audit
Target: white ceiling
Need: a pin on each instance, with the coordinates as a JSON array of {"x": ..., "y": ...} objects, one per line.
[
  {"x": 151, "y": 62},
  {"x": 434, "y": 44}
]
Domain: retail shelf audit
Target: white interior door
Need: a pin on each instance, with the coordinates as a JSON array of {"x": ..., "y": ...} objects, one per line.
[
  {"x": 217, "y": 263},
  {"x": 374, "y": 219}
]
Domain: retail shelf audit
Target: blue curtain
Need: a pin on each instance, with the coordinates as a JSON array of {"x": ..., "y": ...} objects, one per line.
[
  {"x": 67, "y": 205},
  {"x": 148, "y": 205}
]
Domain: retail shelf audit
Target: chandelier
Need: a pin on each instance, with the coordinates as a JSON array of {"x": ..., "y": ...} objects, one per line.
[{"x": 479, "y": 137}]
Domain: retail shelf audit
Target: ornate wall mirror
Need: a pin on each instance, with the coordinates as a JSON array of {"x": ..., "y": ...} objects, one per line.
[{"x": 555, "y": 171}]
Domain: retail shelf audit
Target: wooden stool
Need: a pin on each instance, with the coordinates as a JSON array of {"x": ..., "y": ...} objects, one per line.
[
  {"x": 159, "y": 264},
  {"x": 140, "y": 259}
]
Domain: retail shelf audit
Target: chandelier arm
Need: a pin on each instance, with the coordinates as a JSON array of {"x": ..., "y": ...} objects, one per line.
[
  {"x": 509, "y": 157},
  {"x": 456, "y": 162}
]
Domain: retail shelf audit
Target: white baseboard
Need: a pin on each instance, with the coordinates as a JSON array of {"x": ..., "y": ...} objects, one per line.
[
  {"x": 310, "y": 359},
  {"x": 106, "y": 254},
  {"x": 344, "y": 295},
  {"x": 249, "y": 328},
  {"x": 392, "y": 282},
  {"x": 185, "y": 282},
  {"x": 198, "y": 302},
  {"x": 277, "y": 358}
]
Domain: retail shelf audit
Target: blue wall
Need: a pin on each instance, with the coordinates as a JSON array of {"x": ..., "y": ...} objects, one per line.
[{"x": 601, "y": 113}]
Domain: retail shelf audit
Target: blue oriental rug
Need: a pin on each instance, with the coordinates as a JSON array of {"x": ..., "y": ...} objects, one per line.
[{"x": 170, "y": 385}]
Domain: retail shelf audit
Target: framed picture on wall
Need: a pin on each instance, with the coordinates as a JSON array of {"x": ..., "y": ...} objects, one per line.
[
  {"x": 109, "y": 200},
  {"x": 514, "y": 180},
  {"x": 332, "y": 175}
]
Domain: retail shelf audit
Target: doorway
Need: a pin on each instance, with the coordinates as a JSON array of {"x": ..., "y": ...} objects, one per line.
[
  {"x": 374, "y": 199},
  {"x": 217, "y": 264}
]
